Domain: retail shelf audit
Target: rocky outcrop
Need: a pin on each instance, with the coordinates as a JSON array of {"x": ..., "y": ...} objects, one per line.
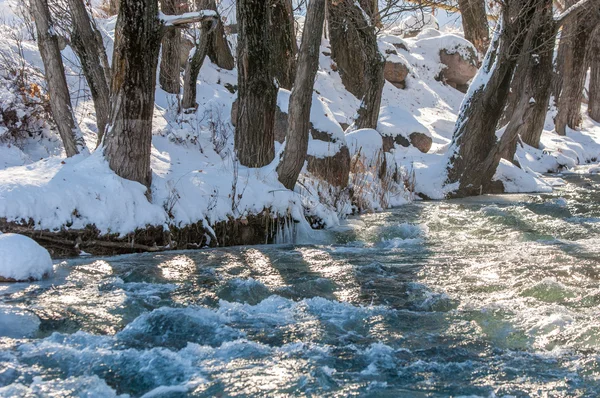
[{"x": 459, "y": 70}]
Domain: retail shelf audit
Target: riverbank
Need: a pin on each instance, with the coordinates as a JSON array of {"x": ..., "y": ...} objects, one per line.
[{"x": 200, "y": 195}]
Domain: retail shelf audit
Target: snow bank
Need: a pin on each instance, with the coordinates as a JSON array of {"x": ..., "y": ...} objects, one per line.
[{"x": 22, "y": 259}]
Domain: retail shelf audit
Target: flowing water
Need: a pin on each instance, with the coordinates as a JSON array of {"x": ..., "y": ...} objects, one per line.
[{"x": 490, "y": 297}]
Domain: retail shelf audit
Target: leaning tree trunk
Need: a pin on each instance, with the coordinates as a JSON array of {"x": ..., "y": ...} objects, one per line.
[
  {"x": 169, "y": 76},
  {"x": 474, "y": 22},
  {"x": 257, "y": 93},
  {"x": 282, "y": 37},
  {"x": 137, "y": 42},
  {"x": 594, "y": 62},
  {"x": 218, "y": 49},
  {"x": 296, "y": 139},
  {"x": 60, "y": 99},
  {"x": 474, "y": 135},
  {"x": 87, "y": 43},
  {"x": 355, "y": 51},
  {"x": 193, "y": 66},
  {"x": 574, "y": 38},
  {"x": 530, "y": 86}
]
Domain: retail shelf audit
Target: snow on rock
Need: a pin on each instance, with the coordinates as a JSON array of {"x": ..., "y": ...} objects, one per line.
[
  {"x": 413, "y": 24},
  {"x": 366, "y": 141},
  {"x": 516, "y": 180},
  {"x": 403, "y": 128},
  {"x": 22, "y": 259}
]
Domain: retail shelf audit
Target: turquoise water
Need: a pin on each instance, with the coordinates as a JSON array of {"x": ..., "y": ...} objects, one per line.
[{"x": 492, "y": 296}]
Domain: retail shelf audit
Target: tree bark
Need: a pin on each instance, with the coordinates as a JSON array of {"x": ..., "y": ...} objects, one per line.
[
  {"x": 296, "y": 140},
  {"x": 356, "y": 53},
  {"x": 60, "y": 99},
  {"x": 474, "y": 140},
  {"x": 128, "y": 142},
  {"x": 573, "y": 71},
  {"x": 282, "y": 37},
  {"x": 257, "y": 94},
  {"x": 192, "y": 68},
  {"x": 170, "y": 72},
  {"x": 531, "y": 81},
  {"x": 87, "y": 43},
  {"x": 218, "y": 49},
  {"x": 474, "y": 22},
  {"x": 593, "y": 54}
]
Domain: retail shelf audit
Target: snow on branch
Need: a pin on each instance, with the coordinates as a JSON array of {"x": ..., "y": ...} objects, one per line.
[
  {"x": 561, "y": 18},
  {"x": 187, "y": 18}
]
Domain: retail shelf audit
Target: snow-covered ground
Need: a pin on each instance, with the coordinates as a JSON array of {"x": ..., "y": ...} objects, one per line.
[{"x": 194, "y": 176}]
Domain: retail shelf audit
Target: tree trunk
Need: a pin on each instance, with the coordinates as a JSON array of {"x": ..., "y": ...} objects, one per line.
[
  {"x": 113, "y": 7},
  {"x": 192, "y": 68},
  {"x": 474, "y": 22},
  {"x": 594, "y": 62},
  {"x": 282, "y": 36},
  {"x": 257, "y": 94},
  {"x": 128, "y": 142},
  {"x": 170, "y": 72},
  {"x": 87, "y": 43},
  {"x": 574, "y": 39},
  {"x": 474, "y": 135},
  {"x": 218, "y": 49},
  {"x": 531, "y": 80},
  {"x": 356, "y": 53},
  {"x": 60, "y": 99},
  {"x": 296, "y": 140}
]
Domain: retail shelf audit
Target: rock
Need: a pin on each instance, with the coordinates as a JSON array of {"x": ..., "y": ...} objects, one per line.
[
  {"x": 421, "y": 141},
  {"x": 459, "y": 70},
  {"x": 22, "y": 259},
  {"x": 396, "y": 73}
]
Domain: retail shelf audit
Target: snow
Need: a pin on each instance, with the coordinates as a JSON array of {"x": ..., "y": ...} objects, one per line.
[
  {"x": 195, "y": 177},
  {"x": 22, "y": 259}
]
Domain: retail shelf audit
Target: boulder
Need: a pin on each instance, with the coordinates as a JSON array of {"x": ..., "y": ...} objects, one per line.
[
  {"x": 396, "y": 73},
  {"x": 458, "y": 70},
  {"x": 22, "y": 259},
  {"x": 421, "y": 141}
]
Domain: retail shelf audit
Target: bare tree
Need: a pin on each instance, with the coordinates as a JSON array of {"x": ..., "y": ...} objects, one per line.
[
  {"x": 138, "y": 34},
  {"x": 475, "y": 152},
  {"x": 282, "y": 37},
  {"x": 87, "y": 43},
  {"x": 210, "y": 41},
  {"x": 218, "y": 49},
  {"x": 475, "y": 24},
  {"x": 170, "y": 72},
  {"x": 474, "y": 137},
  {"x": 530, "y": 85},
  {"x": 296, "y": 140},
  {"x": 573, "y": 70},
  {"x": 194, "y": 64},
  {"x": 593, "y": 54},
  {"x": 257, "y": 93},
  {"x": 60, "y": 100},
  {"x": 356, "y": 53}
]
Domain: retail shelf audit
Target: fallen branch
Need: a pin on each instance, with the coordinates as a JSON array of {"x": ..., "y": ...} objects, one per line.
[{"x": 187, "y": 18}]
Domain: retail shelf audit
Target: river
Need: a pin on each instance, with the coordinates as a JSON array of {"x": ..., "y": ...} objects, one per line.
[{"x": 486, "y": 297}]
